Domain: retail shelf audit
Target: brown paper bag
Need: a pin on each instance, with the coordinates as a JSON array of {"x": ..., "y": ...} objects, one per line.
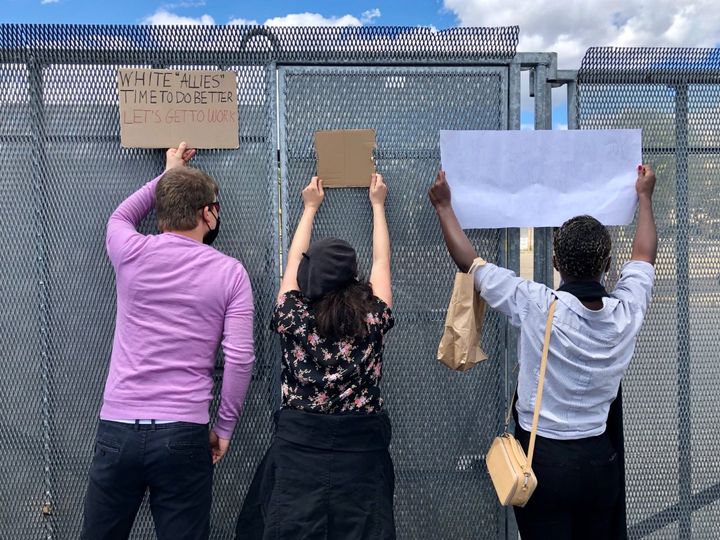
[{"x": 459, "y": 347}]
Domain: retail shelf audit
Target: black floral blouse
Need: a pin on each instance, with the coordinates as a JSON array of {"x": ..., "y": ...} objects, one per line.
[{"x": 351, "y": 384}]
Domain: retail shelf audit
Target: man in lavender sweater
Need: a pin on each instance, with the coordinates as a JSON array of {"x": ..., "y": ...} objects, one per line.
[{"x": 177, "y": 300}]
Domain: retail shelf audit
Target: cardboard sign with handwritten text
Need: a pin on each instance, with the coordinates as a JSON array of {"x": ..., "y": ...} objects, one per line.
[
  {"x": 159, "y": 108},
  {"x": 345, "y": 157}
]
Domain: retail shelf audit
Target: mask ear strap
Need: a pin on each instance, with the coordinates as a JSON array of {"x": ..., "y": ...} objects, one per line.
[{"x": 217, "y": 218}]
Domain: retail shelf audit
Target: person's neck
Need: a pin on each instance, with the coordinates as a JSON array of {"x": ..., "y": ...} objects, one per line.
[
  {"x": 194, "y": 234},
  {"x": 592, "y": 304},
  {"x": 566, "y": 279}
]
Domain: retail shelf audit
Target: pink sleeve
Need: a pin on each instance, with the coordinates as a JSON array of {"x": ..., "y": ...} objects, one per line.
[
  {"x": 122, "y": 232},
  {"x": 239, "y": 351}
]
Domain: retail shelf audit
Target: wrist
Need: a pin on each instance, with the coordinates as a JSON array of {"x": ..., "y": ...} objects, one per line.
[
  {"x": 311, "y": 209},
  {"x": 378, "y": 206},
  {"x": 443, "y": 209}
]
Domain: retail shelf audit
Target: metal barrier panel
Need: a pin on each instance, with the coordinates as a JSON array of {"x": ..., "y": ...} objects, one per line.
[
  {"x": 23, "y": 414},
  {"x": 63, "y": 174},
  {"x": 443, "y": 421},
  {"x": 669, "y": 394}
]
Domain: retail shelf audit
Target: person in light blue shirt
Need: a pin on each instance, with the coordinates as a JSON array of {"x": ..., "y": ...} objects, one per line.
[{"x": 579, "y": 471}]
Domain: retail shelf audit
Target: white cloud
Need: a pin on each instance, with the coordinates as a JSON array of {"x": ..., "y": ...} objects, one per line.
[
  {"x": 570, "y": 28},
  {"x": 45, "y": 2},
  {"x": 313, "y": 19},
  {"x": 241, "y": 22},
  {"x": 368, "y": 16},
  {"x": 165, "y": 17}
]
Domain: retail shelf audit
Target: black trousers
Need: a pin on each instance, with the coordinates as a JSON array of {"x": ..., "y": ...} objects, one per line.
[
  {"x": 579, "y": 484},
  {"x": 172, "y": 460},
  {"x": 325, "y": 476}
]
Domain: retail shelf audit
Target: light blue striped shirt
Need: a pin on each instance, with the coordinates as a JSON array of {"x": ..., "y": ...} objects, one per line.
[{"x": 589, "y": 350}]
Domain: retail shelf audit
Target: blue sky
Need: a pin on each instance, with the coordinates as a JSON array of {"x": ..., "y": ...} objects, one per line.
[
  {"x": 423, "y": 12},
  {"x": 568, "y": 27}
]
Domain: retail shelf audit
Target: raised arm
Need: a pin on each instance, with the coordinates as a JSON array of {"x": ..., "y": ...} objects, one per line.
[
  {"x": 313, "y": 196},
  {"x": 457, "y": 242},
  {"x": 645, "y": 243},
  {"x": 123, "y": 223},
  {"x": 380, "y": 276}
]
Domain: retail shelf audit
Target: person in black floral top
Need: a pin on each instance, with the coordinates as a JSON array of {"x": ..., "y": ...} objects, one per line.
[
  {"x": 326, "y": 375},
  {"x": 328, "y": 472}
]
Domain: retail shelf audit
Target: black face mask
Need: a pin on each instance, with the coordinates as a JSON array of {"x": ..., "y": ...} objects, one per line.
[{"x": 211, "y": 235}]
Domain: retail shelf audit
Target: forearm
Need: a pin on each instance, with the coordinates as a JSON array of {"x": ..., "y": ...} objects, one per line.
[
  {"x": 300, "y": 244},
  {"x": 457, "y": 242},
  {"x": 236, "y": 380},
  {"x": 301, "y": 239},
  {"x": 645, "y": 243},
  {"x": 381, "y": 236},
  {"x": 239, "y": 351},
  {"x": 380, "y": 275}
]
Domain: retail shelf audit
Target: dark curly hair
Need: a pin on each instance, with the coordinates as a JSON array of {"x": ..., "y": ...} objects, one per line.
[{"x": 582, "y": 247}]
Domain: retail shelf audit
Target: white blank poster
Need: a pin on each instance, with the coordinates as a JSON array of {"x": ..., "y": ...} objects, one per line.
[{"x": 541, "y": 178}]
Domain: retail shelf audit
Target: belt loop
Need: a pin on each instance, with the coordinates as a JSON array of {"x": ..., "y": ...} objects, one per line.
[
  {"x": 153, "y": 424},
  {"x": 137, "y": 425}
]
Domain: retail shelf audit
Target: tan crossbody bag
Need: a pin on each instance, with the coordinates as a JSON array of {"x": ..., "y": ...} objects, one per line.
[{"x": 510, "y": 470}]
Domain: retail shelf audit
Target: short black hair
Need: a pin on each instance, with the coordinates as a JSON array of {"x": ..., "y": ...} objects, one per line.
[{"x": 582, "y": 247}]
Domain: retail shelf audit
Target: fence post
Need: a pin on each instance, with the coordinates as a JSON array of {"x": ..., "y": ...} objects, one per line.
[
  {"x": 682, "y": 245},
  {"x": 513, "y": 263},
  {"x": 542, "y": 236},
  {"x": 36, "y": 108}
]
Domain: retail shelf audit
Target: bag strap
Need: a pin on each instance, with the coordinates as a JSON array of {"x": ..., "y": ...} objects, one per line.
[
  {"x": 511, "y": 402},
  {"x": 541, "y": 383}
]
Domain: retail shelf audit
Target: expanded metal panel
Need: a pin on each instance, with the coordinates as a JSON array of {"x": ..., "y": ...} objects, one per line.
[
  {"x": 23, "y": 413},
  {"x": 63, "y": 172},
  {"x": 442, "y": 421},
  {"x": 670, "y": 416}
]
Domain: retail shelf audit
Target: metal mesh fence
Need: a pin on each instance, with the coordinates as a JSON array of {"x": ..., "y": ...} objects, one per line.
[
  {"x": 442, "y": 421},
  {"x": 62, "y": 172},
  {"x": 23, "y": 437},
  {"x": 671, "y": 417}
]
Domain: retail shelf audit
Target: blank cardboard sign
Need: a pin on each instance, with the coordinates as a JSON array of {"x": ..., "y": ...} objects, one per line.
[
  {"x": 161, "y": 107},
  {"x": 344, "y": 157}
]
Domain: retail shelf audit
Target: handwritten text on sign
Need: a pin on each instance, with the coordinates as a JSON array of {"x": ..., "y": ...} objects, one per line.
[{"x": 160, "y": 108}]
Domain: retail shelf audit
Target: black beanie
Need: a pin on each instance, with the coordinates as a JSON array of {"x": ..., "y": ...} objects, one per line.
[{"x": 329, "y": 264}]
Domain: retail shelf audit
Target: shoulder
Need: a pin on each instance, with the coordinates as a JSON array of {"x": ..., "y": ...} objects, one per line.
[
  {"x": 224, "y": 263},
  {"x": 638, "y": 268},
  {"x": 498, "y": 282},
  {"x": 381, "y": 315},
  {"x": 291, "y": 301},
  {"x": 635, "y": 283},
  {"x": 291, "y": 311},
  {"x": 228, "y": 274}
]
